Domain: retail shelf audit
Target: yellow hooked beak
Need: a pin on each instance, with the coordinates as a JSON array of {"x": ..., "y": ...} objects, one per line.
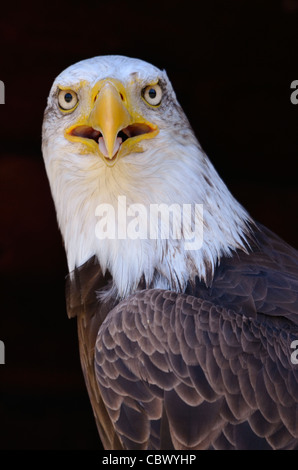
[{"x": 112, "y": 128}]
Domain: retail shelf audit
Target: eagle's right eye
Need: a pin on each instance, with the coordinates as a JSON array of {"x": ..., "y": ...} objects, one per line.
[{"x": 67, "y": 100}]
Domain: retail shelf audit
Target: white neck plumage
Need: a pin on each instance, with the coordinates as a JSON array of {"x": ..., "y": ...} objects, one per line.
[{"x": 116, "y": 214}]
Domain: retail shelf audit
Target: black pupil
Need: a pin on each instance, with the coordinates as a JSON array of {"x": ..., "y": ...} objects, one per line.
[
  {"x": 68, "y": 97},
  {"x": 152, "y": 93}
]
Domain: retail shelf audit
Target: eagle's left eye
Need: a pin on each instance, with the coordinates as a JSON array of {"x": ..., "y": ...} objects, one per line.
[
  {"x": 153, "y": 94},
  {"x": 67, "y": 99}
]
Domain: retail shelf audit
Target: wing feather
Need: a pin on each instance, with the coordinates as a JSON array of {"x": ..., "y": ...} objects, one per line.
[
  {"x": 210, "y": 397},
  {"x": 209, "y": 368}
]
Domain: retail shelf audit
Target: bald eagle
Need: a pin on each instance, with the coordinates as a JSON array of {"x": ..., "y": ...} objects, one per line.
[{"x": 186, "y": 306}]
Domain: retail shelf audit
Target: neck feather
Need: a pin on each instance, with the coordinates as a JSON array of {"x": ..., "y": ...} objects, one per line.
[{"x": 187, "y": 186}]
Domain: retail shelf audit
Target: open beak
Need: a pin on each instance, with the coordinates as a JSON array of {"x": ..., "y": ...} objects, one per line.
[{"x": 111, "y": 129}]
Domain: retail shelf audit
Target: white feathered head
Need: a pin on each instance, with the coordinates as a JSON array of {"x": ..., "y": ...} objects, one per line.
[{"x": 129, "y": 179}]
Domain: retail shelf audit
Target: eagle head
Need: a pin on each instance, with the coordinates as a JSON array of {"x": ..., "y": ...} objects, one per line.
[{"x": 130, "y": 182}]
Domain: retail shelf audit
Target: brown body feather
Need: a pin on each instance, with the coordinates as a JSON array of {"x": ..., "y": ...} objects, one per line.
[{"x": 209, "y": 368}]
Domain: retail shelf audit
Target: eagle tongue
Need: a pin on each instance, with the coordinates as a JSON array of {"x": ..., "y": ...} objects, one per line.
[{"x": 103, "y": 148}]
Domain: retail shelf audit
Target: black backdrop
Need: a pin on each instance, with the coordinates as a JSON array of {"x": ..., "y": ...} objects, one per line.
[{"x": 231, "y": 64}]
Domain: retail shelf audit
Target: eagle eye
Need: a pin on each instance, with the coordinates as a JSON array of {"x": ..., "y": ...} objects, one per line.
[
  {"x": 152, "y": 94},
  {"x": 67, "y": 100}
]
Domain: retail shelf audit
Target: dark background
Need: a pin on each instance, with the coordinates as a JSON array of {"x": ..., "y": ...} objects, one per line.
[{"x": 231, "y": 64}]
